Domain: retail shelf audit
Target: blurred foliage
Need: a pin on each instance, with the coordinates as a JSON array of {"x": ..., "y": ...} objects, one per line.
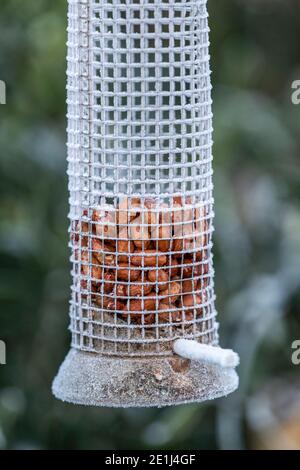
[{"x": 255, "y": 58}]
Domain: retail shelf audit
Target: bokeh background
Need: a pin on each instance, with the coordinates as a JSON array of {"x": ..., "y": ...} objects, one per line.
[{"x": 255, "y": 59}]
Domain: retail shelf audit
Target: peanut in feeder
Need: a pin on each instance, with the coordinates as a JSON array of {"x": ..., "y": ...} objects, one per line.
[{"x": 143, "y": 318}]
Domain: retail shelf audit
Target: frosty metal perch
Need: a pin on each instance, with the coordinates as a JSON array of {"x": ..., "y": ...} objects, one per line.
[
  {"x": 141, "y": 207},
  {"x": 207, "y": 354}
]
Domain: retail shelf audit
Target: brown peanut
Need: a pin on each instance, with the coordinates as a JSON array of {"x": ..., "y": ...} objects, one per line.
[
  {"x": 123, "y": 259},
  {"x": 177, "y": 215},
  {"x": 108, "y": 260},
  {"x": 135, "y": 289},
  {"x": 173, "y": 267},
  {"x": 121, "y": 290},
  {"x": 109, "y": 302},
  {"x": 125, "y": 273},
  {"x": 183, "y": 227},
  {"x": 96, "y": 272},
  {"x": 108, "y": 282},
  {"x": 204, "y": 283},
  {"x": 165, "y": 231},
  {"x": 139, "y": 234},
  {"x": 168, "y": 315},
  {"x": 124, "y": 245},
  {"x": 201, "y": 255},
  {"x": 97, "y": 245},
  {"x": 152, "y": 213},
  {"x": 90, "y": 270},
  {"x": 191, "y": 300},
  {"x": 182, "y": 200},
  {"x": 102, "y": 301},
  {"x": 160, "y": 277},
  {"x": 128, "y": 209},
  {"x": 194, "y": 270},
  {"x": 139, "y": 305},
  {"x": 172, "y": 292},
  {"x": 115, "y": 304},
  {"x": 149, "y": 258},
  {"x": 149, "y": 319},
  {"x": 165, "y": 316},
  {"x": 103, "y": 253},
  {"x": 177, "y": 200},
  {"x": 190, "y": 285},
  {"x": 201, "y": 226},
  {"x": 177, "y": 246},
  {"x": 105, "y": 222},
  {"x": 80, "y": 227},
  {"x": 186, "y": 316},
  {"x": 165, "y": 238},
  {"x": 162, "y": 233},
  {"x": 182, "y": 218},
  {"x": 138, "y": 290}
]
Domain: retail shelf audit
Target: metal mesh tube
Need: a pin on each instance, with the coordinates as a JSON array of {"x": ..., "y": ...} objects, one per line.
[{"x": 140, "y": 175}]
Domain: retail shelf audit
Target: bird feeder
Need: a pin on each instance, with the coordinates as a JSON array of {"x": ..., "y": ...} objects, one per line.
[{"x": 142, "y": 309}]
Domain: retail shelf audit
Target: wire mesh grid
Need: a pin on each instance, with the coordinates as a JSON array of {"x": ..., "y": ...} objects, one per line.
[{"x": 140, "y": 175}]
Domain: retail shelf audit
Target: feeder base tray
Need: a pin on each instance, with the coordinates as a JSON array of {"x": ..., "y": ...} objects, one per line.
[{"x": 95, "y": 380}]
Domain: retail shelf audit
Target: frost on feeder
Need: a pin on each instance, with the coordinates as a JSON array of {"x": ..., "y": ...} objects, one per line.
[{"x": 140, "y": 178}]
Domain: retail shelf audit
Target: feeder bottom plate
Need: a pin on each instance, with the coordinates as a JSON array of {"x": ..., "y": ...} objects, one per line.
[{"x": 95, "y": 380}]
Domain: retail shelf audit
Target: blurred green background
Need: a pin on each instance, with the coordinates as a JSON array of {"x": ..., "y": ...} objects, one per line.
[{"x": 255, "y": 59}]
